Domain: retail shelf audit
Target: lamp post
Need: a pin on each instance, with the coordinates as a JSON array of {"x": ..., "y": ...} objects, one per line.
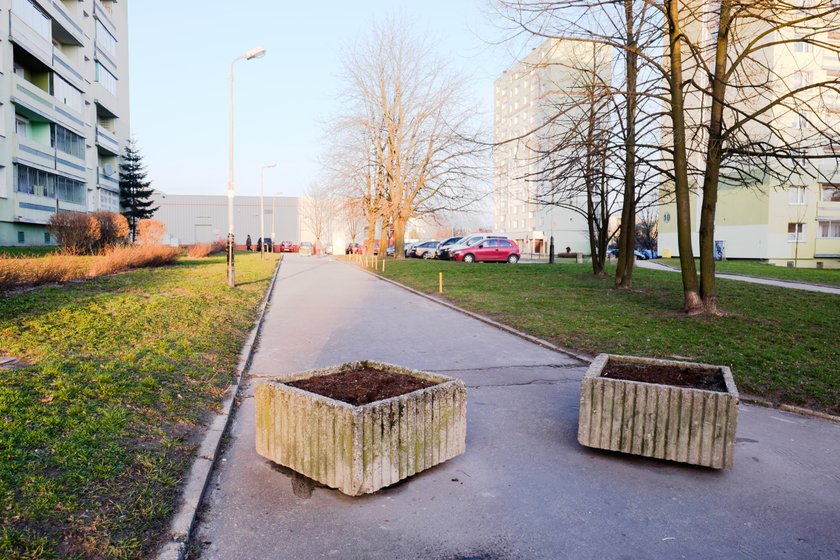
[
  {"x": 262, "y": 211},
  {"x": 257, "y": 52},
  {"x": 273, "y": 220}
]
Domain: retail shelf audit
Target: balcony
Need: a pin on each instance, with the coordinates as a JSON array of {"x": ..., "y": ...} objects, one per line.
[
  {"x": 68, "y": 69},
  {"x": 110, "y": 182},
  {"x": 31, "y": 97},
  {"x": 22, "y": 34},
  {"x": 107, "y": 140},
  {"x": 64, "y": 24},
  {"x": 30, "y": 151},
  {"x": 101, "y": 13}
]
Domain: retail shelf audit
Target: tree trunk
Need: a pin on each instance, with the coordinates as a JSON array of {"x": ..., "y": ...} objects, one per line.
[
  {"x": 399, "y": 237},
  {"x": 691, "y": 295},
  {"x": 627, "y": 234},
  {"x": 714, "y": 154}
]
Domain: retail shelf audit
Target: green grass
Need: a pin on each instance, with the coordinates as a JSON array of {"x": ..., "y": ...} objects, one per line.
[
  {"x": 826, "y": 277},
  {"x": 27, "y": 251},
  {"x": 781, "y": 344},
  {"x": 99, "y": 429}
]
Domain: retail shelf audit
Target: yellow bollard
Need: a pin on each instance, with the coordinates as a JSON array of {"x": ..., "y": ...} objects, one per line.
[
  {"x": 440, "y": 282},
  {"x": 383, "y": 266}
]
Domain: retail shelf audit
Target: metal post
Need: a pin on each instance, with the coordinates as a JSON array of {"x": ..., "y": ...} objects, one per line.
[
  {"x": 231, "y": 275},
  {"x": 551, "y": 250}
]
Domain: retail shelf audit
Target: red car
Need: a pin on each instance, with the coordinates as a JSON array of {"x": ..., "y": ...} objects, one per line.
[
  {"x": 489, "y": 250},
  {"x": 287, "y": 247}
]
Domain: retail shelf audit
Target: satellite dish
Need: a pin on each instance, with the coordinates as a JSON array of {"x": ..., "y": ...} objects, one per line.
[{"x": 109, "y": 169}]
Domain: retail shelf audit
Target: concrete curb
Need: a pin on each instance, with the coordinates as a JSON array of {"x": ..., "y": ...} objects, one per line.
[
  {"x": 751, "y": 399},
  {"x": 193, "y": 491}
]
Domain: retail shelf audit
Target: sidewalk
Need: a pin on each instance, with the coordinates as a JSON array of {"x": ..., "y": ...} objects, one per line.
[{"x": 524, "y": 488}]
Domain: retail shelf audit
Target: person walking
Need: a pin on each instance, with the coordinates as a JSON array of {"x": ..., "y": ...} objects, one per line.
[
  {"x": 259, "y": 245},
  {"x": 248, "y": 242}
]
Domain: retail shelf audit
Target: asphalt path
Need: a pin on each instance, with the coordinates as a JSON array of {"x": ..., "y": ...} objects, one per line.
[{"x": 524, "y": 489}]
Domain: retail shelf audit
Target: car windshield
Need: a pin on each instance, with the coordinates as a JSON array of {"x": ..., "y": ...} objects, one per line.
[{"x": 468, "y": 241}]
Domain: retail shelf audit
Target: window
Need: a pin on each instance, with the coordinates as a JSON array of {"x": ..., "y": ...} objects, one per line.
[
  {"x": 22, "y": 126},
  {"x": 21, "y": 237},
  {"x": 801, "y": 79},
  {"x": 40, "y": 183},
  {"x": 801, "y": 46},
  {"x": 109, "y": 201},
  {"x": 105, "y": 40},
  {"x": 506, "y": 244},
  {"x": 68, "y": 142},
  {"x": 47, "y": 237},
  {"x": 829, "y": 229},
  {"x": 67, "y": 94},
  {"x": 34, "y": 18},
  {"x": 491, "y": 243},
  {"x": 796, "y": 232},
  {"x": 108, "y": 80},
  {"x": 796, "y": 195},
  {"x": 831, "y": 193}
]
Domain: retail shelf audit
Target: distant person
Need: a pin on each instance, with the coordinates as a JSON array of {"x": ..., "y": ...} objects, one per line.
[
  {"x": 568, "y": 250},
  {"x": 259, "y": 244},
  {"x": 248, "y": 242}
]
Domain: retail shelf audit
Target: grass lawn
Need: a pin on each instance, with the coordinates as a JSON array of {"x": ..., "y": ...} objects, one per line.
[
  {"x": 826, "y": 277},
  {"x": 27, "y": 251},
  {"x": 781, "y": 344},
  {"x": 100, "y": 427}
]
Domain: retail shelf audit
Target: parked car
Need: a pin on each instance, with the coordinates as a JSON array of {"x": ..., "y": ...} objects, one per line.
[
  {"x": 287, "y": 247},
  {"x": 352, "y": 249},
  {"x": 408, "y": 248},
  {"x": 442, "y": 252},
  {"x": 470, "y": 240},
  {"x": 389, "y": 250},
  {"x": 491, "y": 249},
  {"x": 328, "y": 249},
  {"x": 638, "y": 254},
  {"x": 425, "y": 250},
  {"x": 306, "y": 248}
]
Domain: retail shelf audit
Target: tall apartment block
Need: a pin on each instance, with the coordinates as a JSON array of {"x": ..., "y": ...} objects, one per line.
[
  {"x": 525, "y": 99},
  {"x": 794, "y": 223},
  {"x": 64, "y": 111}
]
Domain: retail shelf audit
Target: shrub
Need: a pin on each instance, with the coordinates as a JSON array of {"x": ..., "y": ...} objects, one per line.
[
  {"x": 150, "y": 232},
  {"x": 121, "y": 258},
  {"x": 113, "y": 229},
  {"x": 219, "y": 246},
  {"x": 75, "y": 232},
  {"x": 16, "y": 272},
  {"x": 199, "y": 250}
]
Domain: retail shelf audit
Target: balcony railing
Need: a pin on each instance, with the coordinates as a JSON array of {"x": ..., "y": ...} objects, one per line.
[
  {"x": 22, "y": 34},
  {"x": 108, "y": 140},
  {"x": 29, "y": 150}
]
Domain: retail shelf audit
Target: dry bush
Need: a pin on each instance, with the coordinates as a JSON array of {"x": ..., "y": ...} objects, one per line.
[
  {"x": 126, "y": 257},
  {"x": 199, "y": 250},
  {"x": 75, "y": 232},
  {"x": 219, "y": 246},
  {"x": 16, "y": 272},
  {"x": 113, "y": 229},
  {"x": 150, "y": 232}
]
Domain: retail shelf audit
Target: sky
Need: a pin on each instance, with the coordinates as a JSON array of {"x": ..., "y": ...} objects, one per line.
[{"x": 180, "y": 55}]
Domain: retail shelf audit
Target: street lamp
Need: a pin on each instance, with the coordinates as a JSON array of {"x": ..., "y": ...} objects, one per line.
[
  {"x": 273, "y": 220},
  {"x": 258, "y": 52},
  {"x": 262, "y": 211}
]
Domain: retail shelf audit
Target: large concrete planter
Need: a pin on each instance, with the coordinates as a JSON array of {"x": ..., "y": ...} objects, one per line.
[
  {"x": 679, "y": 424},
  {"x": 360, "y": 449}
]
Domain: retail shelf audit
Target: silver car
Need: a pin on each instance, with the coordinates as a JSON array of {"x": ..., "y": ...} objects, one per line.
[{"x": 425, "y": 250}]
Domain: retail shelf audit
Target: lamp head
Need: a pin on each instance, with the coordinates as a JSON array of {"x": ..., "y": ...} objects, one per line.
[
  {"x": 257, "y": 52},
  {"x": 270, "y": 165}
]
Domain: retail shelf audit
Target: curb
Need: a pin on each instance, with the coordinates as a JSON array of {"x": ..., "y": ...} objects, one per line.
[
  {"x": 193, "y": 491},
  {"x": 750, "y": 399}
]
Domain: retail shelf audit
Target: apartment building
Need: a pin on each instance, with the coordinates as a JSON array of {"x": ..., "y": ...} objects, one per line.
[
  {"x": 64, "y": 111},
  {"x": 524, "y": 98},
  {"x": 790, "y": 223}
]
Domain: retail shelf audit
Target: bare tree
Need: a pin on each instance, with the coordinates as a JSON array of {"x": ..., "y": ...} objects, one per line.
[
  {"x": 318, "y": 210},
  {"x": 408, "y": 114}
]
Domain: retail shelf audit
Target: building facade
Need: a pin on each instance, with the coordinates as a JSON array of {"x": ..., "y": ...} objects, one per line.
[
  {"x": 525, "y": 99},
  {"x": 794, "y": 223},
  {"x": 64, "y": 111}
]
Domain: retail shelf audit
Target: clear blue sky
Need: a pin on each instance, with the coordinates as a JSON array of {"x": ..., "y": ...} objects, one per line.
[{"x": 180, "y": 55}]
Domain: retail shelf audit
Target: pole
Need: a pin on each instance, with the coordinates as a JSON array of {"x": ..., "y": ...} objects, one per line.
[
  {"x": 551, "y": 250},
  {"x": 262, "y": 214},
  {"x": 231, "y": 273}
]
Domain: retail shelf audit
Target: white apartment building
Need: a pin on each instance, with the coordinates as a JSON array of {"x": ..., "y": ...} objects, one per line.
[
  {"x": 796, "y": 223},
  {"x": 64, "y": 111},
  {"x": 523, "y": 99}
]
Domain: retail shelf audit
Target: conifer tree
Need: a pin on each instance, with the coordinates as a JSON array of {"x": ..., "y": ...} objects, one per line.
[{"x": 135, "y": 194}]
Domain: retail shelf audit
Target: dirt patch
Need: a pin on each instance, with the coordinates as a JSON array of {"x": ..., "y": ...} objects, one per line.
[
  {"x": 709, "y": 379},
  {"x": 362, "y": 386}
]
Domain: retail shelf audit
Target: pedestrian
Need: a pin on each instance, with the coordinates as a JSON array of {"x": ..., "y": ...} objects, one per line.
[
  {"x": 568, "y": 250},
  {"x": 248, "y": 242},
  {"x": 259, "y": 244}
]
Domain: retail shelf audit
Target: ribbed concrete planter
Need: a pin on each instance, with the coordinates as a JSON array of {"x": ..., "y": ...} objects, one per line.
[
  {"x": 360, "y": 449},
  {"x": 679, "y": 424}
]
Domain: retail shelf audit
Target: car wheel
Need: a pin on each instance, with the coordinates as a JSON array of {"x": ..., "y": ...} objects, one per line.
[
  {"x": 468, "y": 258},
  {"x": 513, "y": 259},
  {"x": 427, "y": 255}
]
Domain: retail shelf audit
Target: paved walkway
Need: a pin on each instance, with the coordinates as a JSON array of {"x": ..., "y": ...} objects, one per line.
[
  {"x": 751, "y": 279},
  {"x": 524, "y": 489}
]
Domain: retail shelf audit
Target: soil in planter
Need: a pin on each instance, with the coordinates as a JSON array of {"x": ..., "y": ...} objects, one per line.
[
  {"x": 678, "y": 376},
  {"x": 362, "y": 386}
]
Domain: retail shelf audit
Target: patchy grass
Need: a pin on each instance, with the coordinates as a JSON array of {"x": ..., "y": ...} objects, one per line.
[
  {"x": 100, "y": 427},
  {"x": 28, "y": 251},
  {"x": 781, "y": 344},
  {"x": 826, "y": 277},
  {"x": 22, "y": 271}
]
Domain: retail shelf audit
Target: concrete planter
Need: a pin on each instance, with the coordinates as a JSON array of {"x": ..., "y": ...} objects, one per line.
[
  {"x": 360, "y": 449},
  {"x": 679, "y": 424}
]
